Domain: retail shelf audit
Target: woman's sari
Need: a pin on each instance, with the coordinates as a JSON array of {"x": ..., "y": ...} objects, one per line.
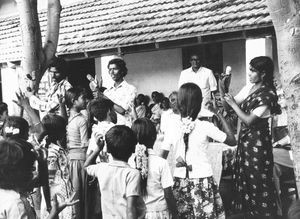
[{"x": 253, "y": 172}]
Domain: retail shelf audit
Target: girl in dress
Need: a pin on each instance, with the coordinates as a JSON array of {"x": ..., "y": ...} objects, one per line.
[
  {"x": 157, "y": 181},
  {"x": 58, "y": 162},
  {"x": 253, "y": 171},
  {"x": 195, "y": 190}
]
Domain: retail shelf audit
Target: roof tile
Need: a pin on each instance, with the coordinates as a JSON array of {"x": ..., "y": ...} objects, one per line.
[{"x": 95, "y": 25}]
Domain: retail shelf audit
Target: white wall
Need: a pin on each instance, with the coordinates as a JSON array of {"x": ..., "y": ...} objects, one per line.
[
  {"x": 156, "y": 70},
  {"x": 10, "y": 85}
]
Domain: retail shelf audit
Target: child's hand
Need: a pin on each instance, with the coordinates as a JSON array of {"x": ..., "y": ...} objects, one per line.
[
  {"x": 58, "y": 207},
  {"x": 99, "y": 141},
  {"x": 212, "y": 106},
  {"x": 61, "y": 99}
]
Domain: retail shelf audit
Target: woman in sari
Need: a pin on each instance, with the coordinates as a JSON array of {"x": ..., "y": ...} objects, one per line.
[{"x": 253, "y": 171}]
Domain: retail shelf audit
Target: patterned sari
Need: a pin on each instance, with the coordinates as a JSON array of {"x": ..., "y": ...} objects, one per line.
[{"x": 253, "y": 171}]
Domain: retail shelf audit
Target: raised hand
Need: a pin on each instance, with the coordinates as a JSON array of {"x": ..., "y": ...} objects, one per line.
[
  {"x": 99, "y": 141},
  {"x": 229, "y": 99},
  {"x": 58, "y": 207},
  {"x": 23, "y": 101}
]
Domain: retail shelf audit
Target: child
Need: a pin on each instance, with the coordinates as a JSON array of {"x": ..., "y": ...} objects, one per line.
[
  {"x": 195, "y": 190},
  {"x": 58, "y": 162},
  {"x": 16, "y": 165},
  {"x": 157, "y": 181},
  {"x": 119, "y": 183},
  {"x": 140, "y": 106},
  {"x": 77, "y": 135},
  {"x": 102, "y": 111}
]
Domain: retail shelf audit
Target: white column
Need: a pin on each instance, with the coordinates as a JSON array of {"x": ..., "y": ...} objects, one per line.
[{"x": 256, "y": 47}]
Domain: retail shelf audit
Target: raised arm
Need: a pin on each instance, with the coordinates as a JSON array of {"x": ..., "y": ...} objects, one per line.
[{"x": 247, "y": 118}]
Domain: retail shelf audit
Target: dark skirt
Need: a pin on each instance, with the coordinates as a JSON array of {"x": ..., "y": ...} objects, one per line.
[
  {"x": 253, "y": 174},
  {"x": 198, "y": 198}
]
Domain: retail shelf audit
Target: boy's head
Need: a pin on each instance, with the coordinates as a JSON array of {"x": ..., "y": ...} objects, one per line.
[
  {"x": 121, "y": 142},
  {"x": 3, "y": 111},
  {"x": 102, "y": 110},
  {"x": 16, "y": 164},
  {"x": 55, "y": 127}
]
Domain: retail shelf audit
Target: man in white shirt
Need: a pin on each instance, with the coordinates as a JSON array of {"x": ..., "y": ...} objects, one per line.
[
  {"x": 58, "y": 87},
  {"x": 121, "y": 93},
  {"x": 201, "y": 76}
]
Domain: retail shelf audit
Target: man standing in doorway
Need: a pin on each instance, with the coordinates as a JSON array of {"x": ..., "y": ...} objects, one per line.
[{"x": 201, "y": 76}]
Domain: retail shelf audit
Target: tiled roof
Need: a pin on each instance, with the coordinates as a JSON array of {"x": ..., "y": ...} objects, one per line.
[{"x": 92, "y": 25}]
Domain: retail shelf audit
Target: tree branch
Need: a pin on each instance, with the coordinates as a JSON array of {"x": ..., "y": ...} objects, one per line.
[{"x": 51, "y": 41}]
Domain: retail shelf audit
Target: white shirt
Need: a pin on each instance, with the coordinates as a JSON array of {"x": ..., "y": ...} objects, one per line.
[
  {"x": 159, "y": 178},
  {"x": 12, "y": 206},
  {"x": 117, "y": 181},
  {"x": 165, "y": 115},
  {"x": 100, "y": 128},
  {"x": 122, "y": 95},
  {"x": 197, "y": 149},
  {"x": 204, "y": 78}
]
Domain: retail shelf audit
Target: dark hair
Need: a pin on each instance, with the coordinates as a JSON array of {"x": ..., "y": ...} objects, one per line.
[
  {"x": 18, "y": 123},
  {"x": 121, "y": 142},
  {"x": 16, "y": 165},
  {"x": 141, "y": 98},
  {"x": 73, "y": 94},
  {"x": 61, "y": 66},
  {"x": 145, "y": 131},
  {"x": 3, "y": 107},
  {"x": 55, "y": 127},
  {"x": 189, "y": 100},
  {"x": 121, "y": 64},
  {"x": 189, "y": 104},
  {"x": 100, "y": 108},
  {"x": 167, "y": 101},
  {"x": 264, "y": 64}
]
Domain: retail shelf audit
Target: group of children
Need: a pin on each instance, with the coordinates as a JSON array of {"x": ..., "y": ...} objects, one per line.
[{"x": 132, "y": 180}]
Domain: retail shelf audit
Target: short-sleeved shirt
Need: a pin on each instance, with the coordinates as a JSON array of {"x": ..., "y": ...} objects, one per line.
[
  {"x": 117, "y": 181},
  {"x": 52, "y": 102},
  {"x": 12, "y": 205},
  {"x": 197, "y": 147},
  {"x": 204, "y": 78},
  {"x": 100, "y": 128},
  {"x": 123, "y": 95},
  {"x": 77, "y": 132},
  {"x": 159, "y": 178}
]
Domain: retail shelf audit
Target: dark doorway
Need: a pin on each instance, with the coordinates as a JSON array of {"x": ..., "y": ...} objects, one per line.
[
  {"x": 211, "y": 56},
  {"x": 78, "y": 71}
]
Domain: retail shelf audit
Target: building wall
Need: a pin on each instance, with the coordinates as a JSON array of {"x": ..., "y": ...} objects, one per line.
[
  {"x": 148, "y": 71},
  {"x": 234, "y": 54},
  {"x": 158, "y": 70}
]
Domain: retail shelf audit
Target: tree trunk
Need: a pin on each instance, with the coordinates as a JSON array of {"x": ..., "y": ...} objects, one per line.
[
  {"x": 285, "y": 15},
  {"x": 36, "y": 59}
]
